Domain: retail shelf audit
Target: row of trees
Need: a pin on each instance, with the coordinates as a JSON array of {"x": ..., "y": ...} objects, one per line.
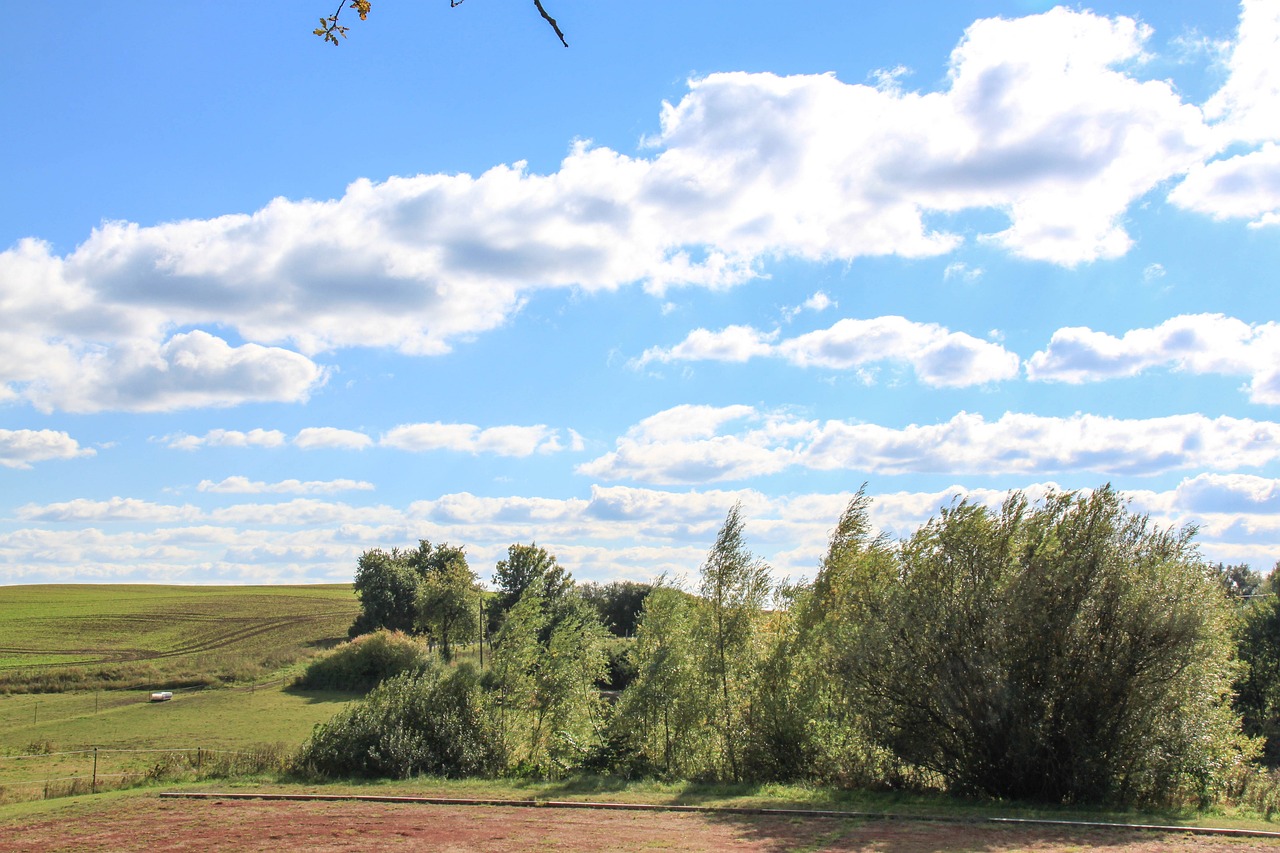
[
  {"x": 433, "y": 592},
  {"x": 1064, "y": 651}
]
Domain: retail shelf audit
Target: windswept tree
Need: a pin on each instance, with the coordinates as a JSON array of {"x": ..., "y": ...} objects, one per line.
[
  {"x": 661, "y": 717},
  {"x": 1066, "y": 651},
  {"x": 542, "y": 683},
  {"x": 733, "y": 588}
]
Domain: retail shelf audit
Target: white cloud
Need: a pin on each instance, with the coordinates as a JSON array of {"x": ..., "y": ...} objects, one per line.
[
  {"x": 115, "y": 509},
  {"x": 961, "y": 271},
  {"x": 687, "y": 445},
  {"x": 1246, "y": 186},
  {"x": 618, "y": 532},
  {"x": 243, "y": 485},
  {"x": 331, "y": 438},
  {"x": 940, "y": 357},
  {"x": 300, "y": 512},
  {"x": 1247, "y": 107},
  {"x": 191, "y": 370},
  {"x": 19, "y": 448},
  {"x": 1195, "y": 343},
  {"x": 226, "y": 438},
  {"x": 469, "y": 438},
  {"x": 817, "y": 303},
  {"x": 683, "y": 445},
  {"x": 1038, "y": 119},
  {"x": 733, "y": 343},
  {"x": 1245, "y": 111}
]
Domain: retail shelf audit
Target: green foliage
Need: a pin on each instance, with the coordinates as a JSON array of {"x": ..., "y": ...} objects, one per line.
[
  {"x": 525, "y": 566},
  {"x": 660, "y": 716},
  {"x": 620, "y": 666},
  {"x": 365, "y": 662},
  {"x": 430, "y": 589},
  {"x": 388, "y": 588},
  {"x": 1239, "y": 581},
  {"x": 1063, "y": 652},
  {"x": 617, "y": 604},
  {"x": 829, "y": 618},
  {"x": 733, "y": 589},
  {"x": 545, "y": 696},
  {"x": 448, "y": 597},
  {"x": 1258, "y": 687},
  {"x": 433, "y": 722}
]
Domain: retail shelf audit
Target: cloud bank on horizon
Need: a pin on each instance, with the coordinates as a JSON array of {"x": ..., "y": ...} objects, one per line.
[{"x": 1048, "y": 150}]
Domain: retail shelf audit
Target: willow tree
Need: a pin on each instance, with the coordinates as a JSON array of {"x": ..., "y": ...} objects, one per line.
[
  {"x": 733, "y": 589},
  {"x": 661, "y": 714},
  {"x": 1064, "y": 651}
]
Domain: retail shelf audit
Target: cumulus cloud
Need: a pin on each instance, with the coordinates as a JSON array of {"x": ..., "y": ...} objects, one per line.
[
  {"x": 940, "y": 357},
  {"x": 1039, "y": 118},
  {"x": 331, "y": 438},
  {"x": 469, "y": 438},
  {"x": 688, "y": 444},
  {"x": 1246, "y": 186},
  {"x": 115, "y": 509},
  {"x": 1195, "y": 343},
  {"x": 1245, "y": 111},
  {"x": 226, "y": 438},
  {"x": 733, "y": 343},
  {"x": 19, "y": 448},
  {"x": 243, "y": 485},
  {"x": 1247, "y": 107},
  {"x": 191, "y": 370},
  {"x": 616, "y": 532}
]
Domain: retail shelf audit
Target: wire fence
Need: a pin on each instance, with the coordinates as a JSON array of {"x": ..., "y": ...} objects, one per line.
[{"x": 44, "y": 775}]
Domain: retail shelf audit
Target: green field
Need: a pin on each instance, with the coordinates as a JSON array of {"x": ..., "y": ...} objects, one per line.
[
  {"x": 60, "y": 637},
  {"x": 78, "y": 663}
]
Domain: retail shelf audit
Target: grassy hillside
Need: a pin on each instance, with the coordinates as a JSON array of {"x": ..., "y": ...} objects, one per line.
[
  {"x": 77, "y": 664},
  {"x": 77, "y": 637}
]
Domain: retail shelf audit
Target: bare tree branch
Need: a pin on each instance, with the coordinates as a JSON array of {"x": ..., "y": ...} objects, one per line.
[
  {"x": 329, "y": 28},
  {"x": 550, "y": 20}
]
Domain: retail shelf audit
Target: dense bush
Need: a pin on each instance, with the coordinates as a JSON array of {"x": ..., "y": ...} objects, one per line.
[
  {"x": 1258, "y": 686},
  {"x": 432, "y": 722},
  {"x": 365, "y": 661},
  {"x": 620, "y": 668},
  {"x": 1067, "y": 651}
]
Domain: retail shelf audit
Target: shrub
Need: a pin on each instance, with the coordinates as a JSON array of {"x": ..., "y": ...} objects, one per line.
[
  {"x": 1068, "y": 651},
  {"x": 366, "y": 661},
  {"x": 431, "y": 722}
]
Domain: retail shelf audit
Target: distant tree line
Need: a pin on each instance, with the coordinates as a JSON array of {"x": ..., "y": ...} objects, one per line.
[{"x": 1064, "y": 651}]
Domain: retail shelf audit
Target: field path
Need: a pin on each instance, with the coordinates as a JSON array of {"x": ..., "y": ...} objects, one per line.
[{"x": 149, "y": 823}]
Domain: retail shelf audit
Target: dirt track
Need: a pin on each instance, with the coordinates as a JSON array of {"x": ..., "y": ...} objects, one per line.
[{"x": 148, "y": 823}]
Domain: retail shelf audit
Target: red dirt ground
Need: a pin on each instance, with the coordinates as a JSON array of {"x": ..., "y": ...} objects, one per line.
[{"x": 149, "y": 823}]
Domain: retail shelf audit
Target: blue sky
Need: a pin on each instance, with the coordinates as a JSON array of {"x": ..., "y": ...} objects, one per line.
[{"x": 269, "y": 303}]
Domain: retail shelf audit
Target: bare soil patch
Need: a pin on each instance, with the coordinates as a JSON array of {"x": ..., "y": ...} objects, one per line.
[{"x": 148, "y": 823}]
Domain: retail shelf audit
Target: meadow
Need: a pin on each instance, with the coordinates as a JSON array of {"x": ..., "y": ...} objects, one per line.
[
  {"x": 87, "y": 637},
  {"x": 78, "y": 664}
]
